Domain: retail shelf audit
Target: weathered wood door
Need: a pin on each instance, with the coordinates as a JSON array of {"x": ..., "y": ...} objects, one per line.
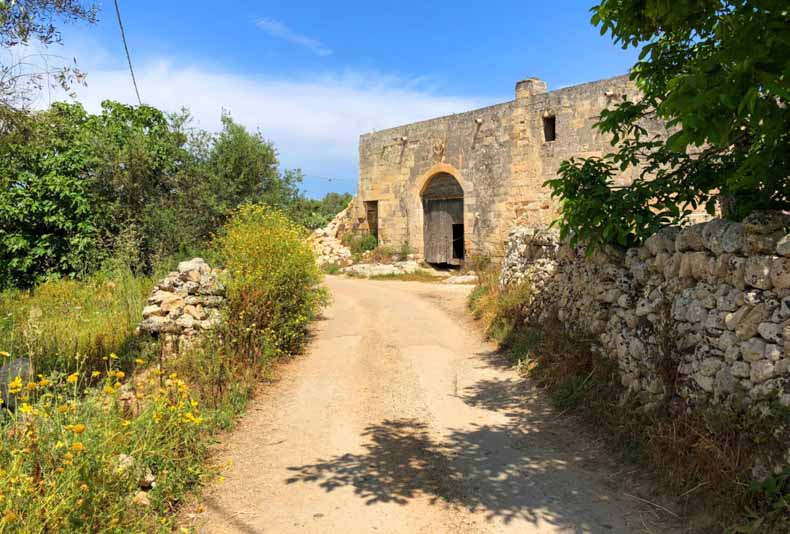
[{"x": 443, "y": 208}]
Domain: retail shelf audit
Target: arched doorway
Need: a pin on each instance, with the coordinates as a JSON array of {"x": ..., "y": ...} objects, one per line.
[{"x": 443, "y": 220}]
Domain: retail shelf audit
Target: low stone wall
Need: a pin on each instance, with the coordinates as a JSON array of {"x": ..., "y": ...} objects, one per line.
[
  {"x": 184, "y": 303},
  {"x": 706, "y": 307}
]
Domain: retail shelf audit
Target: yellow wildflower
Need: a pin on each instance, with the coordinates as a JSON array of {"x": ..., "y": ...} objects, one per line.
[
  {"x": 83, "y": 487},
  {"x": 9, "y": 516},
  {"x": 108, "y": 390},
  {"x": 63, "y": 408},
  {"x": 30, "y": 386},
  {"x": 77, "y": 447},
  {"x": 120, "y": 375},
  {"x": 72, "y": 378},
  {"x": 190, "y": 418},
  {"x": 43, "y": 382},
  {"x": 113, "y": 356},
  {"x": 4, "y": 354},
  {"x": 25, "y": 408},
  {"x": 79, "y": 428},
  {"x": 94, "y": 374},
  {"x": 15, "y": 386},
  {"x": 139, "y": 361}
]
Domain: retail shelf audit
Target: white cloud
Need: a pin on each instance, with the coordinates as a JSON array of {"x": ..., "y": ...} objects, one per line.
[
  {"x": 277, "y": 29},
  {"x": 314, "y": 121}
]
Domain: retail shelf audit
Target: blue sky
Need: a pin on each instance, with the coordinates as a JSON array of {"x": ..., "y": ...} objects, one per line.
[{"x": 313, "y": 76}]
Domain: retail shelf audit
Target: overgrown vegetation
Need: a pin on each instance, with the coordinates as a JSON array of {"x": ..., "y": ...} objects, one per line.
[
  {"x": 78, "y": 187},
  {"x": 716, "y": 72},
  {"x": 359, "y": 243},
  {"x": 103, "y": 416},
  {"x": 703, "y": 457},
  {"x": 273, "y": 292}
]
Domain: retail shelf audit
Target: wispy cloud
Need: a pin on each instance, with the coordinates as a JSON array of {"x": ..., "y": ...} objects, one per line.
[
  {"x": 277, "y": 29},
  {"x": 314, "y": 119}
]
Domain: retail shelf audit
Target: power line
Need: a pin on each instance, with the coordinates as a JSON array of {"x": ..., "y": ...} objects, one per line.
[
  {"x": 313, "y": 176},
  {"x": 126, "y": 48}
]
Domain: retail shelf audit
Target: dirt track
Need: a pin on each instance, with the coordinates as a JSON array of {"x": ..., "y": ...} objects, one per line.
[{"x": 400, "y": 418}]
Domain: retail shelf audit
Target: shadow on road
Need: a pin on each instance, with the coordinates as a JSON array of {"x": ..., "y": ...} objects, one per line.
[{"x": 519, "y": 470}]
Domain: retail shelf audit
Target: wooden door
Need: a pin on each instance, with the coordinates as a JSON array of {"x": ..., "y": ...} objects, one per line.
[{"x": 440, "y": 216}]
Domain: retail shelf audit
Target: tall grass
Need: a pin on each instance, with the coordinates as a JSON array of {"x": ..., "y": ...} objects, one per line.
[
  {"x": 63, "y": 323},
  {"x": 99, "y": 440}
]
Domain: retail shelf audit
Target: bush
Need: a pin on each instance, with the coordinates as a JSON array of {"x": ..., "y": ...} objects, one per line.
[
  {"x": 359, "y": 243},
  {"x": 272, "y": 285}
]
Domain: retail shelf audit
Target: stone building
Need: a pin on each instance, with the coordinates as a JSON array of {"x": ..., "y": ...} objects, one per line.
[{"x": 455, "y": 185}]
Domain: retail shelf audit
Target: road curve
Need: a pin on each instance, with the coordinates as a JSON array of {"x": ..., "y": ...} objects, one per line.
[{"x": 400, "y": 418}]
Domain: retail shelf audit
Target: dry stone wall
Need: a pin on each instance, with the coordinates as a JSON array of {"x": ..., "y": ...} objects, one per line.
[
  {"x": 712, "y": 300},
  {"x": 184, "y": 303}
]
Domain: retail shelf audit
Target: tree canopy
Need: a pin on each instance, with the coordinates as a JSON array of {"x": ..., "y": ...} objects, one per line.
[
  {"x": 717, "y": 72},
  {"x": 77, "y": 187}
]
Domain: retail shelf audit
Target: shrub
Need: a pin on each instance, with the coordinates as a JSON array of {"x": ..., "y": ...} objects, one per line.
[
  {"x": 272, "y": 282},
  {"x": 359, "y": 243}
]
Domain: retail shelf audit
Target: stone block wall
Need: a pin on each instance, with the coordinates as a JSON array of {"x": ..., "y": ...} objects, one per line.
[
  {"x": 712, "y": 297},
  {"x": 499, "y": 155}
]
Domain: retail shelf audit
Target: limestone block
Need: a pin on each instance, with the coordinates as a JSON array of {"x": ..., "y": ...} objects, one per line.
[
  {"x": 773, "y": 352},
  {"x": 737, "y": 271},
  {"x": 766, "y": 222},
  {"x": 780, "y": 273},
  {"x": 770, "y": 332},
  {"x": 740, "y": 369},
  {"x": 761, "y": 371},
  {"x": 783, "y": 246},
  {"x": 757, "y": 272},
  {"x": 754, "y": 244},
  {"x": 151, "y": 310},
  {"x": 731, "y": 320},
  {"x": 732, "y": 240},
  {"x": 710, "y": 366},
  {"x": 690, "y": 238},
  {"x": 713, "y": 234},
  {"x": 748, "y": 325},
  {"x": 753, "y": 349}
]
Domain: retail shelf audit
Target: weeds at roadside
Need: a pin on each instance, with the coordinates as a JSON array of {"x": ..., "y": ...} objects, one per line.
[{"x": 703, "y": 456}]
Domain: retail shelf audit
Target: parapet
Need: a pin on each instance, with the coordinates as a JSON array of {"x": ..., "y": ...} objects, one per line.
[{"x": 530, "y": 87}]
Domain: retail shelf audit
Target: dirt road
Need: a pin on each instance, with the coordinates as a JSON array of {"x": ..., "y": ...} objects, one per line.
[{"x": 400, "y": 418}]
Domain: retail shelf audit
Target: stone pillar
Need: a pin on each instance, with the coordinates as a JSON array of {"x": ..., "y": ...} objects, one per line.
[{"x": 530, "y": 87}]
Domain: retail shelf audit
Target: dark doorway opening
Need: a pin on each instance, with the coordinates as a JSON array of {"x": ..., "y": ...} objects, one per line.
[
  {"x": 443, "y": 220},
  {"x": 372, "y": 215},
  {"x": 549, "y": 128},
  {"x": 458, "y": 241}
]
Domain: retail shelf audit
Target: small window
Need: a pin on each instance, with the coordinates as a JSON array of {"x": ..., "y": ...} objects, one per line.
[{"x": 549, "y": 128}]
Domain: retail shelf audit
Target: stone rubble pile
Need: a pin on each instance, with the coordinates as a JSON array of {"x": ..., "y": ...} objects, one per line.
[
  {"x": 326, "y": 244},
  {"x": 367, "y": 270},
  {"x": 714, "y": 297},
  {"x": 185, "y": 302}
]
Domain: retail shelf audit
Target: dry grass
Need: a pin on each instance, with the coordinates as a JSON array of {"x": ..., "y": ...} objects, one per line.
[{"x": 703, "y": 457}]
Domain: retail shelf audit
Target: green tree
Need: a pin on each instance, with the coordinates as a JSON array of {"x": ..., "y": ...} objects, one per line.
[
  {"x": 717, "y": 72},
  {"x": 47, "y": 220}
]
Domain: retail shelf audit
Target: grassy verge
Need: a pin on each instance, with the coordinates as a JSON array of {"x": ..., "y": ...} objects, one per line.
[
  {"x": 703, "y": 457},
  {"x": 103, "y": 439}
]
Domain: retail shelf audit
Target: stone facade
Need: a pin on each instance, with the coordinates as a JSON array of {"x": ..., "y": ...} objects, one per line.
[
  {"x": 706, "y": 306},
  {"x": 500, "y": 155}
]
